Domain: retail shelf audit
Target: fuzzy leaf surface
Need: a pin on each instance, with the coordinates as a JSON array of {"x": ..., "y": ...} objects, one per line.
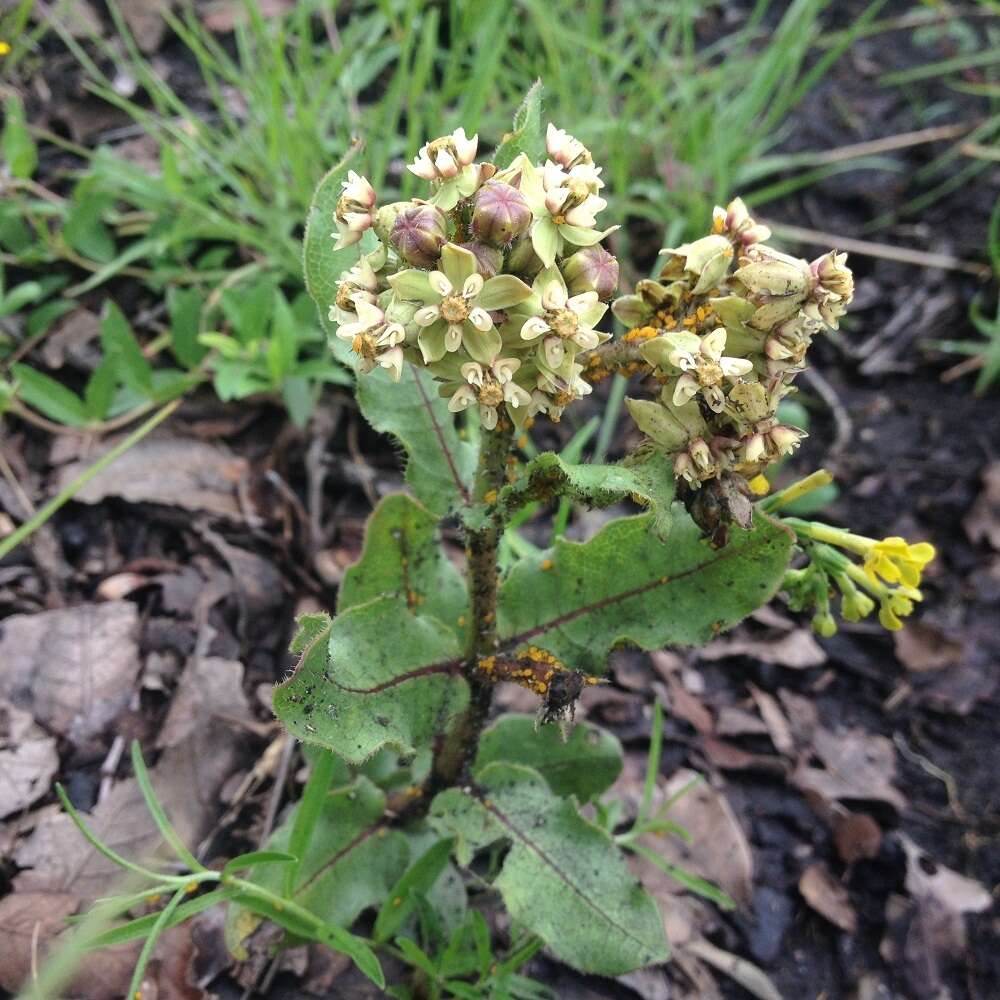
[
  {"x": 526, "y": 135},
  {"x": 402, "y": 557},
  {"x": 378, "y": 675},
  {"x": 625, "y": 585},
  {"x": 585, "y": 765},
  {"x": 548, "y": 475},
  {"x": 350, "y": 862},
  {"x": 563, "y": 877},
  {"x": 440, "y": 465}
]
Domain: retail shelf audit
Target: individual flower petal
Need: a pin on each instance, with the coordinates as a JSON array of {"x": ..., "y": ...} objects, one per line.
[{"x": 502, "y": 292}]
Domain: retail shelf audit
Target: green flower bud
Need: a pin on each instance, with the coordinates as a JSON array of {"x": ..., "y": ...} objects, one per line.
[
  {"x": 522, "y": 259},
  {"x": 386, "y": 216},
  {"x": 591, "y": 269},
  {"x": 489, "y": 260},
  {"x": 500, "y": 213},
  {"x": 418, "y": 234}
]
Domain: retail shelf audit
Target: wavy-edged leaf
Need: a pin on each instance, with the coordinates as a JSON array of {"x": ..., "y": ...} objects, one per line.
[
  {"x": 402, "y": 557},
  {"x": 350, "y": 863},
  {"x": 526, "y": 136},
  {"x": 585, "y": 765},
  {"x": 580, "y": 600},
  {"x": 377, "y": 675},
  {"x": 547, "y": 475},
  {"x": 440, "y": 464},
  {"x": 563, "y": 878}
]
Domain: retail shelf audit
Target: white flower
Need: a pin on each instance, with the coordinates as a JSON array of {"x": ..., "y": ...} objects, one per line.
[
  {"x": 490, "y": 386},
  {"x": 564, "y": 318},
  {"x": 456, "y": 305},
  {"x": 704, "y": 368},
  {"x": 374, "y": 339},
  {"x": 442, "y": 159},
  {"x": 355, "y": 210},
  {"x": 359, "y": 284},
  {"x": 564, "y": 149}
]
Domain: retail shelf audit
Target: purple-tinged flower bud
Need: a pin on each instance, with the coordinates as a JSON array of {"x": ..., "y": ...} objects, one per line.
[
  {"x": 591, "y": 269},
  {"x": 489, "y": 260},
  {"x": 418, "y": 234},
  {"x": 500, "y": 213}
]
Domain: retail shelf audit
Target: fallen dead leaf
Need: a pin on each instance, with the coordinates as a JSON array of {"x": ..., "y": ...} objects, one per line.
[
  {"x": 828, "y": 897},
  {"x": 982, "y": 523},
  {"x": 683, "y": 704},
  {"x": 922, "y": 647},
  {"x": 777, "y": 725},
  {"x": 73, "y": 669},
  {"x": 210, "y": 692},
  {"x": 733, "y": 721},
  {"x": 753, "y": 979},
  {"x": 23, "y": 916},
  {"x": 797, "y": 649},
  {"x": 927, "y": 879},
  {"x": 73, "y": 340},
  {"x": 857, "y": 837},
  {"x": 732, "y": 758},
  {"x": 145, "y": 21},
  {"x": 28, "y": 760},
  {"x": 222, "y": 16},
  {"x": 852, "y": 764},
  {"x": 175, "y": 471}
]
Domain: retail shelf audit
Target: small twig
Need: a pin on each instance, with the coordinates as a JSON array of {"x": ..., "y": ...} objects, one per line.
[
  {"x": 15, "y": 485},
  {"x": 277, "y": 791},
  {"x": 886, "y": 144},
  {"x": 841, "y": 418},
  {"x": 110, "y": 766},
  {"x": 903, "y": 255}
]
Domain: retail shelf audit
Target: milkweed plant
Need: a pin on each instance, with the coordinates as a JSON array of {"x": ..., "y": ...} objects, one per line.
[{"x": 471, "y": 314}]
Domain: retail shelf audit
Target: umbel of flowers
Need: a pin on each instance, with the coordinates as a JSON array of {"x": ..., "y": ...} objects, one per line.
[{"x": 494, "y": 282}]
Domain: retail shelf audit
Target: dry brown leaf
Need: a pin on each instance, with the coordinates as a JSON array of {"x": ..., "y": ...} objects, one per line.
[
  {"x": 24, "y": 915},
  {"x": 855, "y": 764},
  {"x": 982, "y": 523},
  {"x": 926, "y": 879},
  {"x": 733, "y": 721},
  {"x": 683, "y": 704},
  {"x": 774, "y": 719},
  {"x": 752, "y": 978},
  {"x": 857, "y": 836},
  {"x": 731, "y": 758},
  {"x": 210, "y": 692},
  {"x": 719, "y": 850},
  {"x": 175, "y": 471},
  {"x": 222, "y": 16},
  {"x": 145, "y": 21},
  {"x": 26, "y": 771},
  {"x": 73, "y": 669},
  {"x": 73, "y": 340},
  {"x": 797, "y": 649},
  {"x": 828, "y": 897},
  {"x": 921, "y": 647}
]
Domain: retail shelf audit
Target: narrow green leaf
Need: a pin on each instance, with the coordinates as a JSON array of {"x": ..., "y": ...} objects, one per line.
[
  {"x": 402, "y": 557},
  {"x": 252, "y": 858},
  {"x": 18, "y": 147},
  {"x": 418, "y": 878},
  {"x": 50, "y": 397},
  {"x": 378, "y": 675},
  {"x": 563, "y": 878},
  {"x": 695, "y": 883},
  {"x": 184, "y": 307},
  {"x": 120, "y": 345},
  {"x": 625, "y": 585},
  {"x": 308, "y": 812},
  {"x": 99, "y": 392},
  {"x": 527, "y": 135},
  {"x": 170, "y": 835},
  {"x": 586, "y": 764},
  {"x": 161, "y": 924}
]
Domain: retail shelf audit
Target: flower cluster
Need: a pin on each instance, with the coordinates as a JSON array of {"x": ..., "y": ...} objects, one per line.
[
  {"x": 494, "y": 283},
  {"x": 890, "y": 574},
  {"x": 726, "y": 328}
]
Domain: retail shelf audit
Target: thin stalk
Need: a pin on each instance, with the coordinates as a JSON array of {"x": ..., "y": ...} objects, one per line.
[{"x": 458, "y": 748}]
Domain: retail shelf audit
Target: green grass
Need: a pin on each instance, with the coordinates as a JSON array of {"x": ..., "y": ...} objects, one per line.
[{"x": 679, "y": 124}]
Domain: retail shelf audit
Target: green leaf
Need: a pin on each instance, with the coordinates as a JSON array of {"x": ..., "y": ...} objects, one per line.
[
  {"x": 252, "y": 858},
  {"x": 527, "y": 135},
  {"x": 84, "y": 229},
  {"x": 580, "y": 600},
  {"x": 585, "y": 765},
  {"x": 402, "y": 557},
  {"x": 283, "y": 346},
  {"x": 49, "y": 396},
  {"x": 548, "y": 475},
  {"x": 563, "y": 878},
  {"x": 184, "y": 306},
  {"x": 440, "y": 465},
  {"x": 18, "y": 147},
  {"x": 350, "y": 862},
  {"x": 418, "y": 878},
  {"x": 378, "y": 675},
  {"x": 120, "y": 345}
]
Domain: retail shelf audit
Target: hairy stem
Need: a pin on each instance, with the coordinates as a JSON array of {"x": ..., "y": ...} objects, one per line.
[{"x": 458, "y": 748}]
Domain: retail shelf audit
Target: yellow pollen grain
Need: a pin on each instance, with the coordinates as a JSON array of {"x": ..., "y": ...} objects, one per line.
[
  {"x": 490, "y": 496},
  {"x": 664, "y": 579},
  {"x": 398, "y": 901},
  {"x": 547, "y": 564},
  {"x": 191, "y": 887},
  {"x": 461, "y": 621},
  {"x": 522, "y": 441}
]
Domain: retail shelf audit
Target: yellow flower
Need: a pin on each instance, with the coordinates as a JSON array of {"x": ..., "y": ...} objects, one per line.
[
  {"x": 895, "y": 604},
  {"x": 896, "y": 561},
  {"x": 4, "y": 48}
]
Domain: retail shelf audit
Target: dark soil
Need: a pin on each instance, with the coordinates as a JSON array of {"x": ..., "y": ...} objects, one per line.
[{"x": 912, "y": 465}]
